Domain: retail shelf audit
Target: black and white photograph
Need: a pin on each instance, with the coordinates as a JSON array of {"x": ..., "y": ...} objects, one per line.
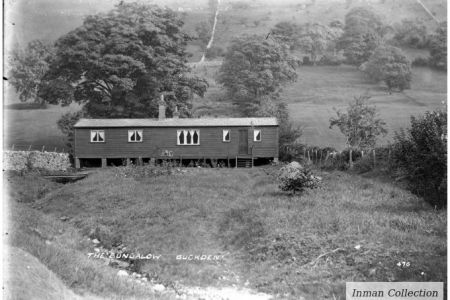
[{"x": 224, "y": 149}]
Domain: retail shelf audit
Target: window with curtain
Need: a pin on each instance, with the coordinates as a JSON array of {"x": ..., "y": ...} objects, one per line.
[
  {"x": 226, "y": 135},
  {"x": 188, "y": 137},
  {"x": 97, "y": 136},
  {"x": 135, "y": 136},
  {"x": 257, "y": 135}
]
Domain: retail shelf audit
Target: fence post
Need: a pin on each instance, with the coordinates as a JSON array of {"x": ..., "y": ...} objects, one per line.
[
  {"x": 43, "y": 147},
  {"x": 351, "y": 158},
  {"x": 362, "y": 153},
  {"x": 29, "y": 148},
  {"x": 374, "y": 158},
  {"x": 13, "y": 147}
]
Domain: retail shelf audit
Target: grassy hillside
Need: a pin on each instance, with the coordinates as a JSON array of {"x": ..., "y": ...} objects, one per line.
[
  {"x": 351, "y": 229},
  {"x": 26, "y": 20},
  {"x": 320, "y": 89},
  {"x": 54, "y": 249}
]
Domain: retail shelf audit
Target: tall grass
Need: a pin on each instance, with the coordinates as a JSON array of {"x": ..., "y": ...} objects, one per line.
[{"x": 270, "y": 238}]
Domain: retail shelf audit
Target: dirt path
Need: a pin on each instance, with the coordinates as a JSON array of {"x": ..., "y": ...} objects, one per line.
[{"x": 211, "y": 40}]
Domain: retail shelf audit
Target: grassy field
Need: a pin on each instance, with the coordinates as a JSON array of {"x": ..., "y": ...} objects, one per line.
[
  {"x": 35, "y": 127},
  {"x": 312, "y": 99},
  {"x": 271, "y": 241}
]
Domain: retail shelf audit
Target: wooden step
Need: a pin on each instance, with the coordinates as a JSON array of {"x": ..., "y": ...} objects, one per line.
[{"x": 244, "y": 162}]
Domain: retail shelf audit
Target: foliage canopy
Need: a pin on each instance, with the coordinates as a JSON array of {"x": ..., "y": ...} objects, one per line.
[
  {"x": 438, "y": 47},
  {"x": 119, "y": 62},
  {"x": 359, "y": 124},
  {"x": 389, "y": 64},
  {"x": 362, "y": 34},
  {"x": 411, "y": 33},
  {"x": 255, "y": 67},
  {"x": 421, "y": 152},
  {"x": 28, "y": 67}
]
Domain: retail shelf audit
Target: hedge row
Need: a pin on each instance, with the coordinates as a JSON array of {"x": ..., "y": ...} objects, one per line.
[{"x": 28, "y": 160}]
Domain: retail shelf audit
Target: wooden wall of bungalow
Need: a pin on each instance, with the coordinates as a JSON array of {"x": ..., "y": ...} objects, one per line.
[{"x": 164, "y": 143}]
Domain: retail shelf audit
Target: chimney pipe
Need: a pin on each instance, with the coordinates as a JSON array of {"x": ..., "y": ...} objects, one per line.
[
  {"x": 162, "y": 108},
  {"x": 176, "y": 113}
]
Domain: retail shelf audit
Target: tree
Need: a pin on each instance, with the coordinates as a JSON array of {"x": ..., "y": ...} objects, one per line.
[
  {"x": 28, "y": 67},
  {"x": 288, "y": 132},
  {"x": 286, "y": 32},
  {"x": 118, "y": 63},
  {"x": 411, "y": 33},
  {"x": 359, "y": 124},
  {"x": 315, "y": 39},
  {"x": 421, "y": 153},
  {"x": 390, "y": 65},
  {"x": 66, "y": 124},
  {"x": 438, "y": 47},
  {"x": 362, "y": 34},
  {"x": 255, "y": 67}
]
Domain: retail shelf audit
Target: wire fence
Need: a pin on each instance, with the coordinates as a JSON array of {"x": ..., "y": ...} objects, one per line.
[{"x": 380, "y": 155}]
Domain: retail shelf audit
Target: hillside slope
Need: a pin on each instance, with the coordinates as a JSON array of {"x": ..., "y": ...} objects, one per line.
[{"x": 28, "y": 278}]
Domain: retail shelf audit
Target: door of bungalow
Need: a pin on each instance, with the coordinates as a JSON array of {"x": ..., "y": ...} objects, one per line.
[{"x": 243, "y": 141}]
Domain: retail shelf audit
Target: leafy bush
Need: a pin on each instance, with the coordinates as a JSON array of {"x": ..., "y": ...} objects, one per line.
[
  {"x": 293, "y": 177},
  {"x": 421, "y": 153}
]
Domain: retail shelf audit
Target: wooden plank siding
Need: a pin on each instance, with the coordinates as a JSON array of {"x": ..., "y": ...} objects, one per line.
[{"x": 159, "y": 139}]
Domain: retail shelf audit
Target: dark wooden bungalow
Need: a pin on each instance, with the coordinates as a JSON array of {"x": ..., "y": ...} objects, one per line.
[{"x": 235, "y": 141}]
